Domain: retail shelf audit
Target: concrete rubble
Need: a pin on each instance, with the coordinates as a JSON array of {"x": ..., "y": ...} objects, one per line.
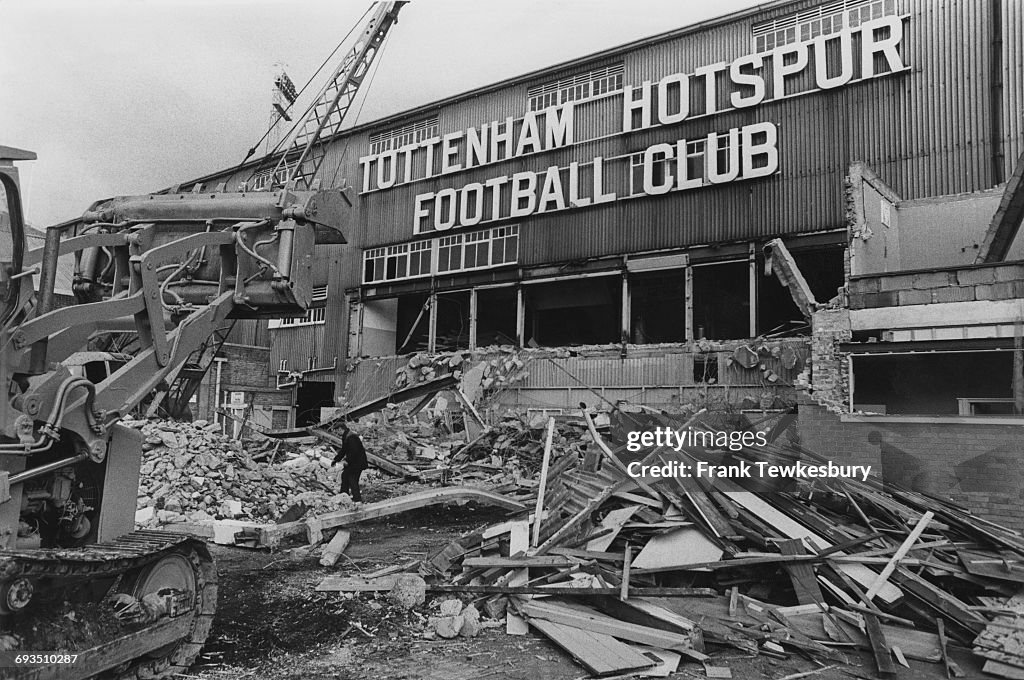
[{"x": 193, "y": 473}]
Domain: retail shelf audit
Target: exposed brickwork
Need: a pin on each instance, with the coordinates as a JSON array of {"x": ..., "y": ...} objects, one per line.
[
  {"x": 829, "y": 377},
  {"x": 978, "y": 466}
]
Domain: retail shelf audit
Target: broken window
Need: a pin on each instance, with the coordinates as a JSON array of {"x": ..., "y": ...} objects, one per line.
[
  {"x": 413, "y": 325},
  {"x": 822, "y": 268},
  {"x": 575, "y": 312},
  {"x": 721, "y": 301},
  {"x": 496, "y": 316},
  {"x": 705, "y": 369},
  {"x": 452, "y": 330},
  {"x": 380, "y": 328},
  {"x": 657, "y": 304},
  {"x": 934, "y": 383}
]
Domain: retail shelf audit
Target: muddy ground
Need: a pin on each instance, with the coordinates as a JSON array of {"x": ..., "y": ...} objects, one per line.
[{"x": 271, "y": 623}]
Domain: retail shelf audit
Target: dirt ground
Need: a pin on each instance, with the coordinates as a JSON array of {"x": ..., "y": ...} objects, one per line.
[{"x": 271, "y": 623}]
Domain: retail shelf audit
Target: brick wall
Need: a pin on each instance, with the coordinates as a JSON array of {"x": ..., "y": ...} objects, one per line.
[
  {"x": 976, "y": 465},
  {"x": 829, "y": 376}
]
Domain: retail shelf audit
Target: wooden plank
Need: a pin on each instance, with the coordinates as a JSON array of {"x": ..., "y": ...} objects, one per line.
[
  {"x": 793, "y": 529},
  {"x": 270, "y": 536},
  {"x": 605, "y": 624},
  {"x": 600, "y": 654},
  {"x": 559, "y": 589},
  {"x": 613, "y": 522},
  {"x": 879, "y": 647},
  {"x": 805, "y": 584},
  {"x": 900, "y": 553},
  {"x": 1001, "y": 669},
  {"x": 356, "y": 584},
  {"x": 944, "y": 603},
  {"x": 645, "y": 611},
  {"x": 519, "y": 543},
  {"x": 677, "y": 548},
  {"x": 539, "y": 509},
  {"x": 992, "y": 565},
  {"x": 521, "y": 562},
  {"x": 626, "y": 563},
  {"x": 667, "y": 662}
]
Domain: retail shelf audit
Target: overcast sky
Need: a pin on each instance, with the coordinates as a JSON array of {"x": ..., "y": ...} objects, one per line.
[{"x": 130, "y": 96}]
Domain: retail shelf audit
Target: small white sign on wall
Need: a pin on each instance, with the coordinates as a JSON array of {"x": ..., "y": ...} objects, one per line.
[{"x": 886, "y": 213}]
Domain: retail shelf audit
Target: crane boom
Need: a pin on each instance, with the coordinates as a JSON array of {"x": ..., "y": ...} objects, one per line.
[{"x": 299, "y": 166}]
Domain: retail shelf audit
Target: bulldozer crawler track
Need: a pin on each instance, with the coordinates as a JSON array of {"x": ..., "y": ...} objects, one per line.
[{"x": 129, "y": 552}]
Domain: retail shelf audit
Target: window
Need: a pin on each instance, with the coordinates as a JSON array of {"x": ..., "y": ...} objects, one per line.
[
  {"x": 593, "y": 83},
  {"x": 419, "y": 258},
  {"x": 504, "y": 245},
  {"x": 414, "y": 133},
  {"x": 478, "y": 247},
  {"x": 313, "y": 315},
  {"x": 449, "y": 253},
  {"x": 457, "y": 252},
  {"x": 826, "y": 19},
  {"x": 267, "y": 180}
]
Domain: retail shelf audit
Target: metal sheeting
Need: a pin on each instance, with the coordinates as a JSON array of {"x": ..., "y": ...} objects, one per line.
[
  {"x": 1013, "y": 83},
  {"x": 371, "y": 379},
  {"x": 926, "y": 132},
  {"x": 297, "y": 345}
]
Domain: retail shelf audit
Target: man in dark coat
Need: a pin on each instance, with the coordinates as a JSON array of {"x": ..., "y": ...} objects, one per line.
[{"x": 353, "y": 457}]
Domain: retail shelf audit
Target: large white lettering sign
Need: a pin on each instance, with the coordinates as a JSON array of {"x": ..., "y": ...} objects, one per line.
[{"x": 826, "y": 62}]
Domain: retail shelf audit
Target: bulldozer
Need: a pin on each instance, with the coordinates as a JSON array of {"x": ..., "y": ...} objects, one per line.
[{"x": 172, "y": 268}]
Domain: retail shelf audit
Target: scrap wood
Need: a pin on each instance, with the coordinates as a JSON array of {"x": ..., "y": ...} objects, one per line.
[
  {"x": 538, "y": 511},
  {"x": 904, "y": 548},
  {"x": 879, "y": 646},
  {"x": 356, "y": 584},
  {"x": 613, "y": 522},
  {"x": 520, "y": 562},
  {"x": 634, "y": 591},
  {"x": 801, "y": 574},
  {"x": 592, "y": 621},
  {"x": 271, "y": 536},
  {"x": 599, "y": 653}
]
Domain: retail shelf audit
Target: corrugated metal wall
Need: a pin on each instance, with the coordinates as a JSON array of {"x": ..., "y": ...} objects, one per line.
[
  {"x": 926, "y": 132},
  {"x": 1013, "y": 82}
]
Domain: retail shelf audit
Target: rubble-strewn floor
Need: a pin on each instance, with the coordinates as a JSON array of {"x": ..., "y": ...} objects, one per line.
[{"x": 272, "y": 624}]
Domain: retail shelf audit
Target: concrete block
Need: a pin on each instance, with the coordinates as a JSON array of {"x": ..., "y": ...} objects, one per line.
[
  {"x": 971, "y": 277},
  {"x": 887, "y": 299},
  {"x": 954, "y": 294},
  {"x": 144, "y": 515},
  {"x": 984, "y": 292},
  {"x": 859, "y": 301},
  {"x": 1004, "y": 290},
  {"x": 896, "y": 282},
  {"x": 915, "y": 297},
  {"x": 867, "y": 285},
  {"x": 926, "y": 280},
  {"x": 1009, "y": 272}
]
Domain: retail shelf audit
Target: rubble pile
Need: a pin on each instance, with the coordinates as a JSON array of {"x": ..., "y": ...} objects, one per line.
[
  {"x": 192, "y": 473},
  {"x": 638, "y": 574}
]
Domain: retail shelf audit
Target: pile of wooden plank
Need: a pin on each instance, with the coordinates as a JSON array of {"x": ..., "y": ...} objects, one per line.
[{"x": 633, "y": 575}]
